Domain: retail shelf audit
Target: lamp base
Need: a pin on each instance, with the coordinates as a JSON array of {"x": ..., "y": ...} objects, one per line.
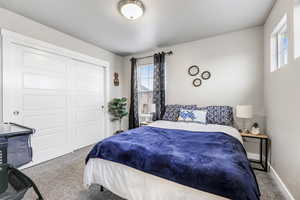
[{"x": 244, "y": 131}]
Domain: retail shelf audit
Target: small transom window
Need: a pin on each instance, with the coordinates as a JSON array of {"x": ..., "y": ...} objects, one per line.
[{"x": 280, "y": 45}]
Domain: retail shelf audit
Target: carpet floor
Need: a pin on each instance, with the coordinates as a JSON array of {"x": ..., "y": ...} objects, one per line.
[{"x": 61, "y": 179}]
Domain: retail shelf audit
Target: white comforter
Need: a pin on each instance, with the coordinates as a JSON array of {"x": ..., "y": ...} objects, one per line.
[
  {"x": 133, "y": 184},
  {"x": 190, "y": 126}
]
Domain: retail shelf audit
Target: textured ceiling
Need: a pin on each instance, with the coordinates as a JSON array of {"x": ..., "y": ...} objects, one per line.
[{"x": 166, "y": 22}]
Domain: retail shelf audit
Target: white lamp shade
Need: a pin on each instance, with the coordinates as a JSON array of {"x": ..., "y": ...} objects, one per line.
[{"x": 244, "y": 111}]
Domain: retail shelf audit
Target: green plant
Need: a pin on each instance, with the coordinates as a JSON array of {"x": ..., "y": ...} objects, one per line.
[{"x": 117, "y": 109}]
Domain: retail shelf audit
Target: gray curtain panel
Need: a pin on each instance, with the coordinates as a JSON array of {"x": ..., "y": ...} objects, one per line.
[
  {"x": 159, "y": 86},
  {"x": 134, "y": 109}
]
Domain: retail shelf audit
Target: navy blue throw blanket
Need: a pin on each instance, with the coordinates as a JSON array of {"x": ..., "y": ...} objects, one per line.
[{"x": 211, "y": 162}]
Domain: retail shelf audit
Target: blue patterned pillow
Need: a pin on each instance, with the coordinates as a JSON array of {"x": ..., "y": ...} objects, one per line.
[
  {"x": 197, "y": 116},
  {"x": 172, "y": 111},
  {"x": 222, "y": 115}
]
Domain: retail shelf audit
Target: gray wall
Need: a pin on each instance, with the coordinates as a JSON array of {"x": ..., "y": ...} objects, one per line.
[
  {"x": 235, "y": 61},
  {"x": 27, "y": 27},
  {"x": 282, "y": 102}
]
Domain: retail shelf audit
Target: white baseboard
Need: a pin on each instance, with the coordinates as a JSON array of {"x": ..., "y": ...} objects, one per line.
[{"x": 287, "y": 194}]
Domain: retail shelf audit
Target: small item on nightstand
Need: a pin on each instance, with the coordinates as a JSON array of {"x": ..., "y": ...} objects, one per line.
[
  {"x": 244, "y": 131},
  {"x": 255, "y": 129}
]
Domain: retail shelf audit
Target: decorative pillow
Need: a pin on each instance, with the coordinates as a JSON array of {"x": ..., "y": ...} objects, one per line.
[
  {"x": 172, "y": 111},
  {"x": 222, "y": 115},
  {"x": 198, "y": 116}
]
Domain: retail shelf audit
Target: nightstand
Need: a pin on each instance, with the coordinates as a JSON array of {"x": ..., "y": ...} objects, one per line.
[
  {"x": 145, "y": 123},
  {"x": 263, "y": 141}
]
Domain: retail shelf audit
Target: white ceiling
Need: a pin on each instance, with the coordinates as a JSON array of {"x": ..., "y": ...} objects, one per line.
[{"x": 166, "y": 22}]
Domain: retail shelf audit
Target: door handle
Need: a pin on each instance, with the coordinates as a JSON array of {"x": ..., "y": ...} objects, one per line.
[{"x": 16, "y": 113}]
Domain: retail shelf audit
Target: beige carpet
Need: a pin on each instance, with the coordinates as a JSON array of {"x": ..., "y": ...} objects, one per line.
[{"x": 61, "y": 179}]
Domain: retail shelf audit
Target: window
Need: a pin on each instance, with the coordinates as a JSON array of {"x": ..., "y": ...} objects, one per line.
[
  {"x": 145, "y": 91},
  {"x": 297, "y": 28},
  {"x": 279, "y": 45}
]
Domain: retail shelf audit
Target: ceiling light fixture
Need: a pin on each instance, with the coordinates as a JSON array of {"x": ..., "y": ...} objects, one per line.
[{"x": 131, "y": 9}]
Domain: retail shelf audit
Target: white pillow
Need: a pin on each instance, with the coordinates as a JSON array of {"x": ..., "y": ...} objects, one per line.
[{"x": 198, "y": 116}]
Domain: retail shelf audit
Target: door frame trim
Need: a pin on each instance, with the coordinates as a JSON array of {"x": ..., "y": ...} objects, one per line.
[
  {"x": 9, "y": 37},
  {"x": 44, "y": 46}
]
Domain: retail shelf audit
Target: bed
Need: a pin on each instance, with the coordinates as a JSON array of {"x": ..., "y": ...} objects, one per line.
[{"x": 171, "y": 161}]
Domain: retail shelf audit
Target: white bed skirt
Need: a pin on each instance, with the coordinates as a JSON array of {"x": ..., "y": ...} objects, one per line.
[{"x": 133, "y": 184}]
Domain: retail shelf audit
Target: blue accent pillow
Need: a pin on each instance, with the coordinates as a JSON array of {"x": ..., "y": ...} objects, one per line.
[
  {"x": 172, "y": 111},
  {"x": 198, "y": 116},
  {"x": 222, "y": 115}
]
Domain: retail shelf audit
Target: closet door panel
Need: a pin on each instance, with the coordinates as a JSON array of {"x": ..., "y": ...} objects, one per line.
[
  {"x": 86, "y": 103},
  {"x": 39, "y": 90},
  {"x": 62, "y": 98}
]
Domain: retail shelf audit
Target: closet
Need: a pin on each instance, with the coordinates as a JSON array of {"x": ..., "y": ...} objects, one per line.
[{"x": 59, "y": 93}]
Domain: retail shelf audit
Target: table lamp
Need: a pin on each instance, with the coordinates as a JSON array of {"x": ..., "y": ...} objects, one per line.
[{"x": 244, "y": 112}]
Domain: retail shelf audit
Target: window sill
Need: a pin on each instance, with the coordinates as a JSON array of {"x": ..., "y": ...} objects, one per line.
[{"x": 279, "y": 68}]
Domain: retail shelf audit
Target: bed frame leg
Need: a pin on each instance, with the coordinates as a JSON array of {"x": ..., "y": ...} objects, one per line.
[{"x": 101, "y": 188}]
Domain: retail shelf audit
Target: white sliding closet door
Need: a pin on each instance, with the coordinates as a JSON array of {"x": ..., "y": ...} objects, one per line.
[
  {"x": 62, "y": 98},
  {"x": 86, "y": 103},
  {"x": 37, "y": 96}
]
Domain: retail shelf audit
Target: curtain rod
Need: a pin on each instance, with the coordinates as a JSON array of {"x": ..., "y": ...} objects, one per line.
[{"x": 167, "y": 53}]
